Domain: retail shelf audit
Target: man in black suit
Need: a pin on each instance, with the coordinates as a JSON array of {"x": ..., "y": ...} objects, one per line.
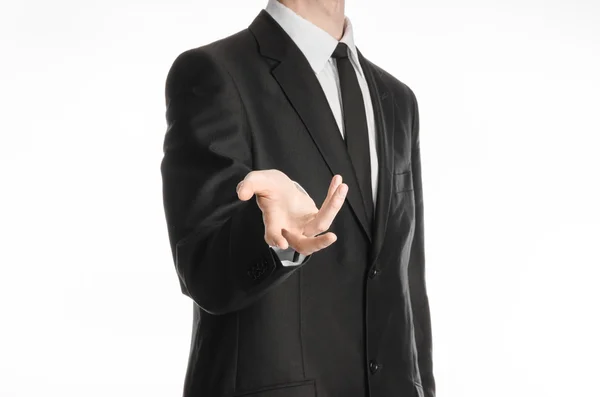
[{"x": 291, "y": 300}]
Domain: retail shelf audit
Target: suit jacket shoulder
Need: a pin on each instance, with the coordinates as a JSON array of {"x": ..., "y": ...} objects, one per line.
[
  {"x": 199, "y": 65},
  {"x": 401, "y": 90},
  {"x": 405, "y": 100}
]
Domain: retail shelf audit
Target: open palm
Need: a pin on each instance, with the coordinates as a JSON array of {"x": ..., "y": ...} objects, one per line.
[{"x": 290, "y": 215}]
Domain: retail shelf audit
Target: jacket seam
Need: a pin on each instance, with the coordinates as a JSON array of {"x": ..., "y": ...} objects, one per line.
[
  {"x": 246, "y": 123},
  {"x": 300, "y": 322},
  {"x": 237, "y": 351}
]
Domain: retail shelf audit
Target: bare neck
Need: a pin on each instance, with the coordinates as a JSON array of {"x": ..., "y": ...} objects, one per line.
[{"x": 326, "y": 14}]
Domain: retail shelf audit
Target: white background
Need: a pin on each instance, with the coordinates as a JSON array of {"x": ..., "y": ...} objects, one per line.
[{"x": 509, "y": 98}]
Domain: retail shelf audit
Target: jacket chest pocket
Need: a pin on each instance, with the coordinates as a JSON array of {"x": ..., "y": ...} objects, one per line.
[{"x": 403, "y": 182}]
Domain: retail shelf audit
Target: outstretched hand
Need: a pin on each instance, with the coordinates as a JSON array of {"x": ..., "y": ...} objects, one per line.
[{"x": 290, "y": 216}]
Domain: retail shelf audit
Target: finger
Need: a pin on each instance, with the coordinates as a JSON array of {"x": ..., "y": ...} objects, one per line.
[
  {"x": 309, "y": 245},
  {"x": 333, "y": 185},
  {"x": 273, "y": 224},
  {"x": 276, "y": 239},
  {"x": 324, "y": 218},
  {"x": 335, "y": 182},
  {"x": 278, "y": 242},
  {"x": 315, "y": 228},
  {"x": 255, "y": 182}
]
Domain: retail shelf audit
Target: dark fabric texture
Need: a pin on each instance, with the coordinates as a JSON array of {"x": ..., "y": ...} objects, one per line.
[
  {"x": 355, "y": 126},
  {"x": 352, "y": 320}
]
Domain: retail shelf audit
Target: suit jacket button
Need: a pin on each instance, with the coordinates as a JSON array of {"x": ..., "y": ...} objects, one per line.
[
  {"x": 374, "y": 366},
  {"x": 374, "y": 272}
]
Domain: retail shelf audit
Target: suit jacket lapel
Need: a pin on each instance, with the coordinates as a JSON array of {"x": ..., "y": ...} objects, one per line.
[
  {"x": 301, "y": 87},
  {"x": 383, "y": 107}
]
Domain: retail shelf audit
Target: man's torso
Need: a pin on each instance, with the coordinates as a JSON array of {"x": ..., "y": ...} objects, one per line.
[{"x": 319, "y": 332}]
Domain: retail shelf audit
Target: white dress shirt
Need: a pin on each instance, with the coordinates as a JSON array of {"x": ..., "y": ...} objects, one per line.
[{"x": 317, "y": 46}]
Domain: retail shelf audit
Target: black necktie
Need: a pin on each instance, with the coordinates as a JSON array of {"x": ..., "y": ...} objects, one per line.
[{"x": 355, "y": 125}]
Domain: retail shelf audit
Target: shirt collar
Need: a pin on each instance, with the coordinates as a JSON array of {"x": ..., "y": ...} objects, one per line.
[{"x": 316, "y": 44}]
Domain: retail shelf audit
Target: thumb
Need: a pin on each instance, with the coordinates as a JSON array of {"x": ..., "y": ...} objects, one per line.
[
  {"x": 256, "y": 182},
  {"x": 244, "y": 191}
]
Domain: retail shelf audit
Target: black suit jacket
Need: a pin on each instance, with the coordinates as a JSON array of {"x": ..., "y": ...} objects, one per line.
[{"x": 353, "y": 319}]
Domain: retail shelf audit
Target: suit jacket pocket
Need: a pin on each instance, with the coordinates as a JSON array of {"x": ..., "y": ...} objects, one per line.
[
  {"x": 403, "y": 181},
  {"x": 297, "y": 389}
]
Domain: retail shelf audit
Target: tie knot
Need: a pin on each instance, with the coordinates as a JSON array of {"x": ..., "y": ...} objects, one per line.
[{"x": 341, "y": 51}]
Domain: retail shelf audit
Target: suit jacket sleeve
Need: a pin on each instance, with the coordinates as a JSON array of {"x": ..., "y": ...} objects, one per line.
[
  {"x": 217, "y": 241},
  {"x": 418, "y": 291}
]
